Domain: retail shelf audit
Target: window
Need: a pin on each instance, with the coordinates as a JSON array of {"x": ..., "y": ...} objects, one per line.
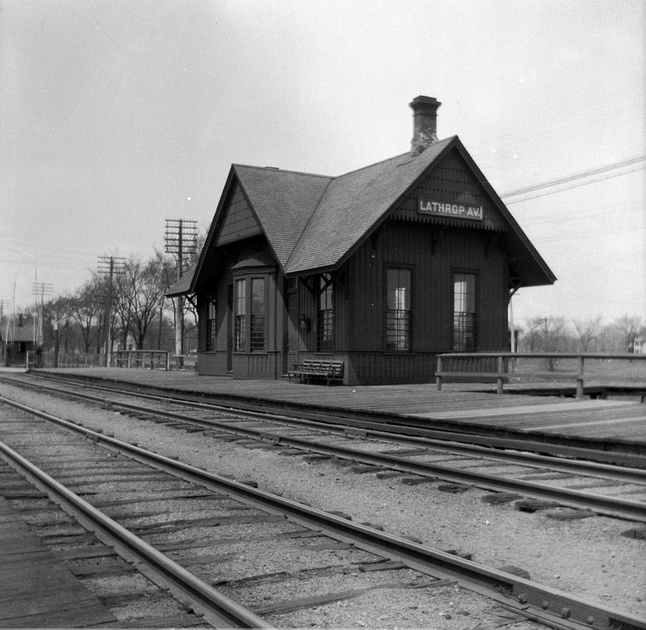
[
  {"x": 249, "y": 315},
  {"x": 211, "y": 331},
  {"x": 464, "y": 312},
  {"x": 240, "y": 317},
  {"x": 398, "y": 310},
  {"x": 257, "y": 336},
  {"x": 325, "y": 315}
]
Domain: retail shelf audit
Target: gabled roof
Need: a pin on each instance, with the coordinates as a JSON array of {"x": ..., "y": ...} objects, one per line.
[
  {"x": 354, "y": 204},
  {"x": 283, "y": 202},
  {"x": 313, "y": 223}
]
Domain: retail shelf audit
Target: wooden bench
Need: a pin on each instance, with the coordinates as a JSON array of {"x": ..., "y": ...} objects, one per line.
[{"x": 329, "y": 370}]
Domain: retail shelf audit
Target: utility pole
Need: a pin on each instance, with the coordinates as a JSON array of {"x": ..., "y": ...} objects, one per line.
[
  {"x": 40, "y": 290},
  {"x": 5, "y": 305},
  {"x": 181, "y": 240},
  {"x": 110, "y": 266}
]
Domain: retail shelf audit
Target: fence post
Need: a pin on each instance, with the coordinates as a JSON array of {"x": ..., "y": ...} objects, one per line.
[
  {"x": 579, "y": 379},
  {"x": 438, "y": 377},
  {"x": 500, "y": 379}
]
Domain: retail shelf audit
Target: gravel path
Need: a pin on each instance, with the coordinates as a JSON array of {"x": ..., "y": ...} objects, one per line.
[{"x": 587, "y": 557}]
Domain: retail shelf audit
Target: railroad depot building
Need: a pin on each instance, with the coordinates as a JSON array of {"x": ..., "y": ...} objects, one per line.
[{"x": 382, "y": 268}]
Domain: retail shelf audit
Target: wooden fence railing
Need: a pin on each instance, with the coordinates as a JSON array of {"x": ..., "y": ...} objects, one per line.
[
  {"x": 150, "y": 359},
  {"x": 502, "y": 366}
]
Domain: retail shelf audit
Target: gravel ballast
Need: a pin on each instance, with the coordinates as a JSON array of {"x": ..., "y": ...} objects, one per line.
[{"x": 587, "y": 557}]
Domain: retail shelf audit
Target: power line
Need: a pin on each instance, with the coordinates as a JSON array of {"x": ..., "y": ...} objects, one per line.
[{"x": 578, "y": 176}]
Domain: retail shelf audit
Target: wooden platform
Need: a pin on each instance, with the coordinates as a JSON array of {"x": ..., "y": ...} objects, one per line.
[
  {"x": 36, "y": 590},
  {"x": 609, "y": 420}
]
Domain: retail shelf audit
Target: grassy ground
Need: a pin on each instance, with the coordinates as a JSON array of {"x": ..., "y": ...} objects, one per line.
[{"x": 601, "y": 371}]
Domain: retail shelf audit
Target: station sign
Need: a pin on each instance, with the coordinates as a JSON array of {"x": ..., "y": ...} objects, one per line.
[{"x": 448, "y": 209}]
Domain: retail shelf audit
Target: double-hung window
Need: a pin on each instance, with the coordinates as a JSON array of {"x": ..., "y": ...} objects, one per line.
[
  {"x": 257, "y": 334},
  {"x": 398, "y": 310},
  {"x": 240, "y": 317},
  {"x": 465, "y": 320},
  {"x": 211, "y": 330},
  {"x": 325, "y": 315},
  {"x": 249, "y": 315}
]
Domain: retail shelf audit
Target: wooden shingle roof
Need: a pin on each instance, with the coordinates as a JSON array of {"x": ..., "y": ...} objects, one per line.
[
  {"x": 313, "y": 223},
  {"x": 183, "y": 285},
  {"x": 283, "y": 202},
  {"x": 353, "y": 204}
]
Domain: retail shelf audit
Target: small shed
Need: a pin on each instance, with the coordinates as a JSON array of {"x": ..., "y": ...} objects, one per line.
[
  {"x": 17, "y": 340},
  {"x": 379, "y": 269}
]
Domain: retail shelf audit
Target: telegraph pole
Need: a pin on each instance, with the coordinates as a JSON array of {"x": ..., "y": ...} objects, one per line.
[
  {"x": 4, "y": 327},
  {"x": 40, "y": 290},
  {"x": 181, "y": 240},
  {"x": 110, "y": 266}
]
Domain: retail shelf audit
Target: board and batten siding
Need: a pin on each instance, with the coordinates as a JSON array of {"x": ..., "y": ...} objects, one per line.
[{"x": 399, "y": 244}]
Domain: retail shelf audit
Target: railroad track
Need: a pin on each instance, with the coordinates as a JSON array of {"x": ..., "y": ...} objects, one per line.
[
  {"x": 533, "y": 482},
  {"x": 212, "y": 503},
  {"x": 558, "y": 445}
]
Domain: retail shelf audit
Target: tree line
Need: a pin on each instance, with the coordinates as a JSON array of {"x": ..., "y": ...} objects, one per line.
[
  {"x": 556, "y": 334},
  {"x": 140, "y": 316}
]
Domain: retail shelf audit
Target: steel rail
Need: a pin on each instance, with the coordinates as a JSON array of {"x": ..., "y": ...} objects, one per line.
[
  {"x": 600, "y": 504},
  {"x": 572, "y": 466},
  {"x": 216, "y": 606},
  {"x": 606, "y": 505},
  {"x": 548, "y": 605},
  {"x": 557, "y": 445}
]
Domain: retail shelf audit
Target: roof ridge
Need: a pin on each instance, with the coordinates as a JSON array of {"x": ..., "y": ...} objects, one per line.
[
  {"x": 395, "y": 157},
  {"x": 281, "y": 170}
]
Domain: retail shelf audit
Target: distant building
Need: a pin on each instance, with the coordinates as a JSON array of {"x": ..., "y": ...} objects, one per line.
[
  {"x": 17, "y": 340},
  {"x": 382, "y": 268}
]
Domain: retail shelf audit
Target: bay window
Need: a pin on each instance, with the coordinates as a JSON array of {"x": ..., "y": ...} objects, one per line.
[
  {"x": 211, "y": 330},
  {"x": 240, "y": 321},
  {"x": 249, "y": 315},
  {"x": 257, "y": 335}
]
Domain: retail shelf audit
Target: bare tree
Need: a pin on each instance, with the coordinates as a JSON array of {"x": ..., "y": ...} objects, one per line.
[
  {"x": 167, "y": 277},
  {"x": 57, "y": 320},
  {"x": 587, "y": 330},
  {"x": 139, "y": 294},
  {"x": 532, "y": 337},
  {"x": 547, "y": 334},
  {"x": 630, "y": 327},
  {"x": 86, "y": 309}
]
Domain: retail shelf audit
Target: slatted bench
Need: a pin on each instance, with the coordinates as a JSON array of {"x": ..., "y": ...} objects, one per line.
[{"x": 329, "y": 370}]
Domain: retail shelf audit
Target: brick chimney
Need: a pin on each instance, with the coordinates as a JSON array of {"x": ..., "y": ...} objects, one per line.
[{"x": 424, "y": 123}]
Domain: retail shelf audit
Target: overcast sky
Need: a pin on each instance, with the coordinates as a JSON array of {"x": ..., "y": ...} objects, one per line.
[{"x": 118, "y": 114}]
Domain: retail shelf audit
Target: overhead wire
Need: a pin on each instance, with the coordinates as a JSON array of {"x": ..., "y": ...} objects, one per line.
[{"x": 573, "y": 179}]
